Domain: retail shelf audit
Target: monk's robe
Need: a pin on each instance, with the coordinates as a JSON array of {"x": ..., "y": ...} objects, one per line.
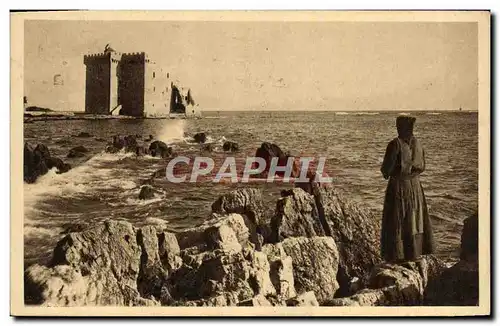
[{"x": 406, "y": 226}]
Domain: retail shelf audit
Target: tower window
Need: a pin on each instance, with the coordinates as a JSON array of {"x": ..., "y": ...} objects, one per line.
[
  {"x": 153, "y": 74},
  {"x": 168, "y": 75}
]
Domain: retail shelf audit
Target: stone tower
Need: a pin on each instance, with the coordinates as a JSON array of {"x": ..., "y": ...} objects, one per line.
[{"x": 101, "y": 82}]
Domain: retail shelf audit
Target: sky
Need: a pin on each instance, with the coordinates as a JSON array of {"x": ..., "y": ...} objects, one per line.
[{"x": 270, "y": 65}]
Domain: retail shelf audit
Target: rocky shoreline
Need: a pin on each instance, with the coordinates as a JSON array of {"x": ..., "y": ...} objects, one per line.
[{"x": 317, "y": 248}]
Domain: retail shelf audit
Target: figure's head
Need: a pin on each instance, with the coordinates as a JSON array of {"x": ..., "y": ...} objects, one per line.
[{"x": 404, "y": 124}]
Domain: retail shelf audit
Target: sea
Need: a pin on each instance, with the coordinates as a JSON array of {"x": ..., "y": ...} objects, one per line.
[{"x": 103, "y": 186}]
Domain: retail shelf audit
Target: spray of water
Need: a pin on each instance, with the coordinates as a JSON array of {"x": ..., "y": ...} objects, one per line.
[{"x": 173, "y": 130}]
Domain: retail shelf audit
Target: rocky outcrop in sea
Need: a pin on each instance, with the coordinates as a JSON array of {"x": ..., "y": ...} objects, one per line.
[{"x": 316, "y": 248}]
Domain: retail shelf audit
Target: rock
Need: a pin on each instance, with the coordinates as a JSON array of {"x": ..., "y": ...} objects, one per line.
[
  {"x": 230, "y": 146},
  {"x": 38, "y": 162},
  {"x": 268, "y": 151},
  {"x": 207, "y": 148},
  {"x": 99, "y": 266},
  {"x": 78, "y": 151},
  {"x": 306, "y": 299},
  {"x": 147, "y": 192},
  {"x": 456, "y": 286},
  {"x": 55, "y": 162},
  {"x": 127, "y": 143},
  {"x": 459, "y": 284},
  {"x": 222, "y": 237},
  {"x": 356, "y": 232},
  {"x": 315, "y": 262},
  {"x": 159, "y": 148},
  {"x": 396, "y": 285},
  {"x": 281, "y": 270},
  {"x": 169, "y": 251},
  {"x": 257, "y": 301},
  {"x": 83, "y": 134},
  {"x": 200, "y": 138},
  {"x": 296, "y": 216},
  {"x": 247, "y": 202},
  {"x": 469, "y": 239},
  {"x": 197, "y": 236}
]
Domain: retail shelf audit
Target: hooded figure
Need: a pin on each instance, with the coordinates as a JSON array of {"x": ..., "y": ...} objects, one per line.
[{"x": 406, "y": 227}]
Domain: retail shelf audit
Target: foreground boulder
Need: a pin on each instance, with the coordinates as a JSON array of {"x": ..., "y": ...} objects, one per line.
[
  {"x": 38, "y": 162},
  {"x": 325, "y": 212},
  {"x": 200, "y": 138},
  {"x": 99, "y": 266},
  {"x": 396, "y": 285},
  {"x": 459, "y": 284},
  {"x": 247, "y": 202}
]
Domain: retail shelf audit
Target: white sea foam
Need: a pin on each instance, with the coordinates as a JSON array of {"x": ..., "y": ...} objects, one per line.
[
  {"x": 80, "y": 179},
  {"x": 172, "y": 131}
]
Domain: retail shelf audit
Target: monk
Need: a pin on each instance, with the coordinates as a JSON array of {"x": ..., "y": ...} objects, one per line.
[{"x": 406, "y": 226}]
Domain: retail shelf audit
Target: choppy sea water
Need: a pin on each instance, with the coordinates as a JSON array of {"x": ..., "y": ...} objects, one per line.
[{"x": 103, "y": 186}]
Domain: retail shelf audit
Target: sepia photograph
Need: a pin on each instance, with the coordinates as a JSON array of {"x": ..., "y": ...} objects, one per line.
[{"x": 250, "y": 163}]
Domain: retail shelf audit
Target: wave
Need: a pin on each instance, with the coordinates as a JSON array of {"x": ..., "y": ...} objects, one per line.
[
  {"x": 433, "y": 113},
  {"x": 357, "y": 113},
  {"x": 172, "y": 131},
  {"x": 84, "y": 178}
]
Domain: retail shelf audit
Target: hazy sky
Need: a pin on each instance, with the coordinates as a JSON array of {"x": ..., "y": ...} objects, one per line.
[{"x": 270, "y": 65}]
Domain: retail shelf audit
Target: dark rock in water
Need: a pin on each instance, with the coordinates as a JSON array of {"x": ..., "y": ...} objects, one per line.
[
  {"x": 247, "y": 202},
  {"x": 207, "y": 147},
  {"x": 147, "y": 192},
  {"x": 159, "y": 148},
  {"x": 230, "y": 146},
  {"x": 200, "y": 138},
  {"x": 58, "y": 164},
  {"x": 128, "y": 143},
  {"x": 78, "y": 151},
  {"x": 469, "y": 239},
  {"x": 83, "y": 134},
  {"x": 149, "y": 138},
  {"x": 268, "y": 151},
  {"x": 38, "y": 162},
  {"x": 140, "y": 151}
]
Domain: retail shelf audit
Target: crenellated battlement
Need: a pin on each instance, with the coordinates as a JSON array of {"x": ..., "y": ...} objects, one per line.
[{"x": 96, "y": 58}]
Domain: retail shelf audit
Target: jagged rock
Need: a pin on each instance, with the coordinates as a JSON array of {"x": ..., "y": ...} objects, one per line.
[
  {"x": 211, "y": 274},
  {"x": 355, "y": 231},
  {"x": 396, "y": 285},
  {"x": 99, "y": 266},
  {"x": 38, "y": 162},
  {"x": 281, "y": 270},
  {"x": 469, "y": 239},
  {"x": 306, "y": 299},
  {"x": 169, "y": 251},
  {"x": 247, "y": 202},
  {"x": 200, "y": 138},
  {"x": 197, "y": 236},
  {"x": 268, "y": 151},
  {"x": 152, "y": 277},
  {"x": 78, "y": 151},
  {"x": 459, "y": 284},
  {"x": 55, "y": 162},
  {"x": 159, "y": 148},
  {"x": 83, "y": 134},
  {"x": 230, "y": 146},
  {"x": 147, "y": 192},
  {"x": 456, "y": 286},
  {"x": 315, "y": 262},
  {"x": 296, "y": 216},
  {"x": 127, "y": 143},
  {"x": 257, "y": 301}
]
